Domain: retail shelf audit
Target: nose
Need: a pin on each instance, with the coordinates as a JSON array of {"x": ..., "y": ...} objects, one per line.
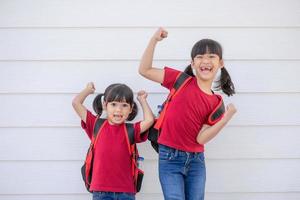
[
  {"x": 118, "y": 108},
  {"x": 205, "y": 59}
]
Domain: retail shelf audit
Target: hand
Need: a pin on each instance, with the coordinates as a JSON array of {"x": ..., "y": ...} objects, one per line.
[
  {"x": 90, "y": 87},
  {"x": 142, "y": 95},
  {"x": 230, "y": 110},
  {"x": 160, "y": 34}
]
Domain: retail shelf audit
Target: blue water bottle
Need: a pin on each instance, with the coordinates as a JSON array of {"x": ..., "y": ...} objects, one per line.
[
  {"x": 159, "y": 109},
  {"x": 140, "y": 161}
]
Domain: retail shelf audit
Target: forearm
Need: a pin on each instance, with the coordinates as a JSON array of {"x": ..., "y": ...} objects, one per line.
[
  {"x": 148, "y": 118},
  {"x": 206, "y": 134},
  {"x": 79, "y": 98},
  {"x": 77, "y": 104},
  {"x": 147, "y": 58}
]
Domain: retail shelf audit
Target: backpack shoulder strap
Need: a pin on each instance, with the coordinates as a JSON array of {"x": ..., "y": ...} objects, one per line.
[
  {"x": 217, "y": 113},
  {"x": 130, "y": 132},
  {"x": 181, "y": 80},
  {"x": 99, "y": 122},
  {"x": 132, "y": 148},
  {"x": 129, "y": 129}
]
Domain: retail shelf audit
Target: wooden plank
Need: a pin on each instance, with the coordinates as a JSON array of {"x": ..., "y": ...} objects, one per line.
[
  {"x": 72, "y": 143},
  {"x": 129, "y": 43},
  {"x": 83, "y": 196},
  {"x": 208, "y": 196},
  {"x": 228, "y": 176},
  {"x": 72, "y": 76},
  {"x": 92, "y": 13},
  {"x": 253, "y": 196},
  {"x": 34, "y": 110}
]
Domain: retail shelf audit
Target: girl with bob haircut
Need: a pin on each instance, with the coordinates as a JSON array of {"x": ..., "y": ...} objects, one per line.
[{"x": 112, "y": 168}]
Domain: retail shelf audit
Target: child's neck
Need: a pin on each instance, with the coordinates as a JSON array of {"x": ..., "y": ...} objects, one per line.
[
  {"x": 114, "y": 124},
  {"x": 205, "y": 86}
]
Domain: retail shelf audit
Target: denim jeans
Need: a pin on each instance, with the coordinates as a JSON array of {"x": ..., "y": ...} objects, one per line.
[
  {"x": 182, "y": 174},
  {"x": 113, "y": 196}
]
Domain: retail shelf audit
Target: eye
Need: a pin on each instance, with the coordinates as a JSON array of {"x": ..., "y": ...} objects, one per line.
[
  {"x": 125, "y": 105},
  {"x": 113, "y": 104},
  {"x": 199, "y": 56},
  {"x": 213, "y": 56}
]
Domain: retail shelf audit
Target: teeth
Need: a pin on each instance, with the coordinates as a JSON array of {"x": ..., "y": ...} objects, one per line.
[{"x": 205, "y": 68}]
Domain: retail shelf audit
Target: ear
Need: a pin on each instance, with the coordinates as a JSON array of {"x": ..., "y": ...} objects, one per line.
[
  {"x": 221, "y": 63},
  {"x": 104, "y": 105},
  {"x": 131, "y": 108},
  {"x": 192, "y": 64}
]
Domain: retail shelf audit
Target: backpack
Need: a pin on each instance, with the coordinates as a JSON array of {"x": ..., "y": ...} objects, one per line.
[
  {"x": 87, "y": 168},
  {"x": 181, "y": 80}
]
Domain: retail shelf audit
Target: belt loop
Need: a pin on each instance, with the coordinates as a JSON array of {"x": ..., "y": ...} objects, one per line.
[
  {"x": 176, "y": 153},
  {"x": 188, "y": 154}
]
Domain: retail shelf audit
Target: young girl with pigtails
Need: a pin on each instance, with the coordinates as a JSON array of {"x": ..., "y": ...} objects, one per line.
[
  {"x": 186, "y": 126},
  {"x": 112, "y": 176}
]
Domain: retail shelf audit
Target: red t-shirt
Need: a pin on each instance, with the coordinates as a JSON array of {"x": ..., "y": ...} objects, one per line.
[
  {"x": 186, "y": 114},
  {"x": 112, "y": 162}
]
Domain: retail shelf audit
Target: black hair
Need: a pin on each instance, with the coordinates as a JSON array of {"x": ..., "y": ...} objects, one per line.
[
  {"x": 116, "y": 92},
  {"x": 211, "y": 46}
]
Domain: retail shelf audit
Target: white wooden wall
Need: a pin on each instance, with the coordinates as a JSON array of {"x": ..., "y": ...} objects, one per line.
[{"x": 49, "y": 50}]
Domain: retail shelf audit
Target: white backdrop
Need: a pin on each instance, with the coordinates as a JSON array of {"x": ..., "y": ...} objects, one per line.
[{"x": 49, "y": 50}]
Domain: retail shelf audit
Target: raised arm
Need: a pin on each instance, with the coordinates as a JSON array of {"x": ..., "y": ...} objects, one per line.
[
  {"x": 78, "y": 100},
  {"x": 147, "y": 112},
  {"x": 209, "y": 132},
  {"x": 146, "y": 69}
]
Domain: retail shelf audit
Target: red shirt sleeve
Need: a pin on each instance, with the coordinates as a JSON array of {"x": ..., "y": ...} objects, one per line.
[
  {"x": 138, "y": 137},
  {"x": 169, "y": 77},
  {"x": 89, "y": 125}
]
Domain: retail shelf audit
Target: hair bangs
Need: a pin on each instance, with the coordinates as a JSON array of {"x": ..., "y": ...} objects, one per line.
[
  {"x": 206, "y": 46},
  {"x": 120, "y": 93}
]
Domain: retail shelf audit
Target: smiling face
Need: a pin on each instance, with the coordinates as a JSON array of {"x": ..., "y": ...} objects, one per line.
[
  {"x": 117, "y": 112},
  {"x": 206, "y": 59},
  {"x": 206, "y": 66},
  {"x": 118, "y": 103}
]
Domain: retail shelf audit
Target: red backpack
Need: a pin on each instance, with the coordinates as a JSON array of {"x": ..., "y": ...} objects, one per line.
[
  {"x": 87, "y": 168},
  {"x": 181, "y": 80}
]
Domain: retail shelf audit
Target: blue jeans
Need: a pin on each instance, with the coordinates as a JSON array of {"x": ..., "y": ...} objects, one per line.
[
  {"x": 182, "y": 174},
  {"x": 113, "y": 196}
]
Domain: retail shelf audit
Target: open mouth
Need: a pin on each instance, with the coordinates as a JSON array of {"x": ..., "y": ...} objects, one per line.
[
  {"x": 118, "y": 116},
  {"x": 205, "y": 69}
]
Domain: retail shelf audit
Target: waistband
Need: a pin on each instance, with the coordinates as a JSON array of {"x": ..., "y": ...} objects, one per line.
[{"x": 180, "y": 152}]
